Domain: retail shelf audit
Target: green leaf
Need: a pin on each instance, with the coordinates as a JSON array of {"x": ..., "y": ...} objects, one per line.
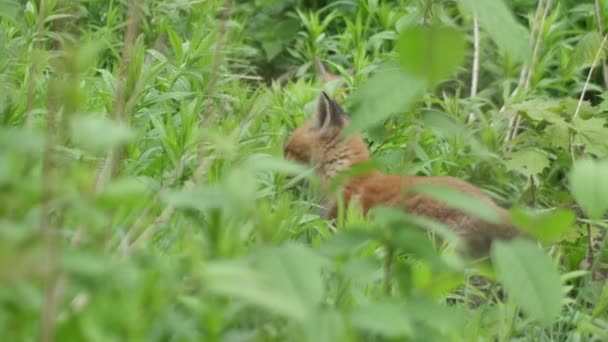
[
  {"x": 99, "y": 133},
  {"x": 589, "y": 186},
  {"x": 529, "y": 161},
  {"x": 529, "y": 277},
  {"x": 387, "y": 318},
  {"x": 431, "y": 53},
  {"x": 585, "y": 50},
  {"x": 389, "y": 91},
  {"x": 125, "y": 190},
  {"x": 545, "y": 226},
  {"x": 266, "y": 163},
  {"x": 460, "y": 200},
  {"x": 236, "y": 280},
  {"x": 592, "y": 133},
  {"x": 496, "y": 19},
  {"x": 542, "y": 110},
  {"x": 294, "y": 272}
]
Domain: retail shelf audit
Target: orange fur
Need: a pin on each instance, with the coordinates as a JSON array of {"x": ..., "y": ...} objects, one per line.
[{"x": 319, "y": 142}]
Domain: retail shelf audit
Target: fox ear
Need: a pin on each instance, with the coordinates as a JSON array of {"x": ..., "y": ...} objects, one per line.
[{"x": 329, "y": 114}]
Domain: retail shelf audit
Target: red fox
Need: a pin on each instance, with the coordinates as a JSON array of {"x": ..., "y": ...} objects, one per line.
[{"x": 320, "y": 143}]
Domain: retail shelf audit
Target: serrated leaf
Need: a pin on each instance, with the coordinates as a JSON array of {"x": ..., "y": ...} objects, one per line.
[
  {"x": 527, "y": 161},
  {"x": 585, "y": 50},
  {"x": 542, "y": 110},
  {"x": 529, "y": 277},
  {"x": 592, "y": 133},
  {"x": 545, "y": 226},
  {"x": 497, "y": 20},
  {"x": 589, "y": 186},
  {"x": 422, "y": 52}
]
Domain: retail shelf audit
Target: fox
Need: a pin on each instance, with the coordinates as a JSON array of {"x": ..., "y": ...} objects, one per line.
[{"x": 320, "y": 142}]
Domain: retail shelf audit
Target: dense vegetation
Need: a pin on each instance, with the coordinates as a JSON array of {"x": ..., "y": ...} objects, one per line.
[{"x": 144, "y": 196}]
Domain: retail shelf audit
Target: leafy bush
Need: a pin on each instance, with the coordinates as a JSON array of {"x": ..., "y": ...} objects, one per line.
[{"x": 144, "y": 194}]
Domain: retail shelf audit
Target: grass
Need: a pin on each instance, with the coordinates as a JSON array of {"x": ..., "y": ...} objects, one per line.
[{"x": 144, "y": 195}]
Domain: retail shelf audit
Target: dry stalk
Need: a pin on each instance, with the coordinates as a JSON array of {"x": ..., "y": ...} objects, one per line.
[
  {"x": 515, "y": 128},
  {"x": 527, "y": 70},
  {"x": 32, "y": 78},
  {"x": 596, "y": 59},
  {"x": 47, "y": 229},
  {"x": 118, "y": 110},
  {"x": 600, "y": 30},
  {"x": 475, "y": 72}
]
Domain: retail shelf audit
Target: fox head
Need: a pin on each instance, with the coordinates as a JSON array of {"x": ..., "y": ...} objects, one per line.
[{"x": 319, "y": 142}]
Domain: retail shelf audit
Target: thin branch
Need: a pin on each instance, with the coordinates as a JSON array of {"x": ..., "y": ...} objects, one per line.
[
  {"x": 46, "y": 225},
  {"x": 113, "y": 157},
  {"x": 590, "y": 249},
  {"x": 475, "y": 73},
  {"x": 600, "y": 30},
  {"x": 588, "y": 80},
  {"x": 388, "y": 267},
  {"x": 527, "y": 70},
  {"x": 32, "y": 77}
]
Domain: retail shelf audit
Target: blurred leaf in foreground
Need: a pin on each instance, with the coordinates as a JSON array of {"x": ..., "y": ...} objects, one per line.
[
  {"x": 589, "y": 186},
  {"x": 431, "y": 53},
  {"x": 529, "y": 277}
]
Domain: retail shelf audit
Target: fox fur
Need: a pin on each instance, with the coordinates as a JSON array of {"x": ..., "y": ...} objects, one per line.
[{"x": 320, "y": 143}]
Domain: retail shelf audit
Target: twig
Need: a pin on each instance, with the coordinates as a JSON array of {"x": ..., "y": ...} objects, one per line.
[
  {"x": 541, "y": 26},
  {"x": 588, "y": 80},
  {"x": 113, "y": 157},
  {"x": 46, "y": 226},
  {"x": 388, "y": 267},
  {"x": 527, "y": 70},
  {"x": 475, "y": 74},
  {"x": 31, "y": 82},
  {"x": 596, "y": 58},
  {"x": 598, "y": 23}
]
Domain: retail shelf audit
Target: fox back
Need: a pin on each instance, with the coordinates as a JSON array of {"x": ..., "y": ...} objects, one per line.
[{"x": 319, "y": 142}]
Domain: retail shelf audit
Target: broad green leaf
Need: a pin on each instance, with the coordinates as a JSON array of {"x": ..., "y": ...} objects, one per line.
[
  {"x": 545, "y": 226},
  {"x": 267, "y": 163},
  {"x": 239, "y": 281},
  {"x": 592, "y": 133},
  {"x": 99, "y": 133},
  {"x": 601, "y": 306},
  {"x": 326, "y": 325},
  {"x": 388, "y": 318},
  {"x": 585, "y": 50},
  {"x": 210, "y": 197},
  {"x": 540, "y": 109},
  {"x": 460, "y": 200},
  {"x": 529, "y": 161},
  {"x": 431, "y": 53},
  {"x": 389, "y": 91},
  {"x": 589, "y": 186},
  {"x": 9, "y": 10},
  {"x": 345, "y": 242},
  {"x": 496, "y": 19},
  {"x": 295, "y": 273},
  {"x": 125, "y": 190},
  {"x": 530, "y": 278}
]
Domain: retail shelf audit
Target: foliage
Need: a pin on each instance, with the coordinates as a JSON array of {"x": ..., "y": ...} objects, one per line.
[{"x": 144, "y": 195}]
